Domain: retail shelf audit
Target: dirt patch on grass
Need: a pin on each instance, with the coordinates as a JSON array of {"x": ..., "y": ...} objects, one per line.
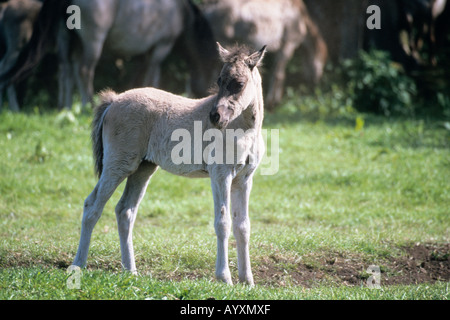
[
  {"x": 419, "y": 263},
  {"x": 414, "y": 264}
]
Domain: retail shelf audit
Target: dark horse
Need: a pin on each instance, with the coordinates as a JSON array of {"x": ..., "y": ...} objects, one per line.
[
  {"x": 146, "y": 28},
  {"x": 16, "y": 26}
]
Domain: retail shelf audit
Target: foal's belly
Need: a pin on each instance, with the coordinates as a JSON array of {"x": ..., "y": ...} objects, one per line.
[
  {"x": 196, "y": 174},
  {"x": 187, "y": 171}
]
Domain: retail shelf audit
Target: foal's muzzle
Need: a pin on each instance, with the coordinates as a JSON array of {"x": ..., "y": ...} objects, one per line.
[{"x": 220, "y": 116}]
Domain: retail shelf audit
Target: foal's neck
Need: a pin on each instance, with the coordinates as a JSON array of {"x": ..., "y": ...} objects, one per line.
[
  {"x": 253, "y": 116},
  {"x": 256, "y": 110}
]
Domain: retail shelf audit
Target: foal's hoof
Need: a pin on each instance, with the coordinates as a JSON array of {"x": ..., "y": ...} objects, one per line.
[
  {"x": 247, "y": 280},
  {"x": 133, "y": 272},
  {"x": 249, "y": 283},
  {"x": 226, "y": 278}
]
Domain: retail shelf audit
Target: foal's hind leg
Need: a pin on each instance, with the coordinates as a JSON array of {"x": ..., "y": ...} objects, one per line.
[
  {"x": 93, "y": 208},
  {"x": 127, "y": 208}
]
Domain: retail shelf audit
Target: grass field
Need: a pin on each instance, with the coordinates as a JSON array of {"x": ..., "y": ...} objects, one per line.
[{"x": 349, "y": 193}]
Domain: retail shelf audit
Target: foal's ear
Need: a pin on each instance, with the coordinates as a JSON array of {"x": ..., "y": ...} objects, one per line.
[
  {"x": 255, "y": 58},
  {"x": 223, "y": 53}
]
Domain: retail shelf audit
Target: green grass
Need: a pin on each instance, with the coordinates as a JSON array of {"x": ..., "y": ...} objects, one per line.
[
  {"x": 359, "y": 193},
  {"x": 43, "y": 284}
]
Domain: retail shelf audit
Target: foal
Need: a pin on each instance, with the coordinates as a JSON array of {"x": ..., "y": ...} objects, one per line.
[{"x": 133, "y": 134}]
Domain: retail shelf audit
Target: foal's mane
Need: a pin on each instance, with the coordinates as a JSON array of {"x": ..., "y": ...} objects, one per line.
[{"x": 236, "y": 53}]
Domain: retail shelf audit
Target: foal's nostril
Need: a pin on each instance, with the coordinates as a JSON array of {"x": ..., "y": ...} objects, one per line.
[{"x": 214, "y": 117}]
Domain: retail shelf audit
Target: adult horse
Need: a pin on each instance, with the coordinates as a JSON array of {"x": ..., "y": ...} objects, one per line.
[
  {"x": 342, "y": 24},
  {"x": 16, "y": 27},
  {"x": 137, "y": 131},
  {"x": 284, "y": 25},
  {"x": 145, "y": 28}
]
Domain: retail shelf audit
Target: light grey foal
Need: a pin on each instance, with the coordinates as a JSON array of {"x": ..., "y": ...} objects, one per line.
[{"x": 137, "y": 131}]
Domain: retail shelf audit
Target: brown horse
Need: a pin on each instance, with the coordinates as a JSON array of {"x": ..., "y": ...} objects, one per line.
[
  {"x": 140, "y": 129},
  {"x": 123, "y": 28},
  {"x": 284, "y": 25}
]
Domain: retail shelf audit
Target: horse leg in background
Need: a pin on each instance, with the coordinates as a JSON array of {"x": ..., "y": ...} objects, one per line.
[
  {"x": 5, "y": 64},
  {"x": 127, "y": 208},
  {"x": 12, "y": 98},
  {"x": 8, "y": 60},
  {"x": 240, "y": 194},
  {"x": 84, "y": 66},
  {"x": 221, "y": 185},
  {"x": 65, "y": 75},
  {"x": 276, "y": 86},
  {"x": 154, "y": 60},
  {"x": 65, "y": 99},
  {"x": 85, "y": 72}
]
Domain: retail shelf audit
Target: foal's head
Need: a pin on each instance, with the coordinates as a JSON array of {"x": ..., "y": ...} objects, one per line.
[{"x": 239, "y": 82}]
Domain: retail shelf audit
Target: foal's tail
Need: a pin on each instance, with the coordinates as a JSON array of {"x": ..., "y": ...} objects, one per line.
[{"x": 107, "y": 97}]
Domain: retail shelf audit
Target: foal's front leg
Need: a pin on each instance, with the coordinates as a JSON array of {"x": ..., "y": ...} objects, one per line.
[
  {"x": 240, "y": 194},
  {"x": 221, "y": 186}
]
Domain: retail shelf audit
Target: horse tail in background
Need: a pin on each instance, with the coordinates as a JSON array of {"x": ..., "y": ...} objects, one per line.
[
  {"x": 107, "y": 97},
  {"x": 44, "y": 36}
]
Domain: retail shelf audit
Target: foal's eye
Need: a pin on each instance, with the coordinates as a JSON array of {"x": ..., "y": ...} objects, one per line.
[{"x": 235, "y": 86}]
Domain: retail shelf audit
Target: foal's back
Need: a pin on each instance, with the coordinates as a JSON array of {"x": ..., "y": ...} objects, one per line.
[
  {"x": 140, "y": 123},
  {"x": 150, "y": 107}
]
